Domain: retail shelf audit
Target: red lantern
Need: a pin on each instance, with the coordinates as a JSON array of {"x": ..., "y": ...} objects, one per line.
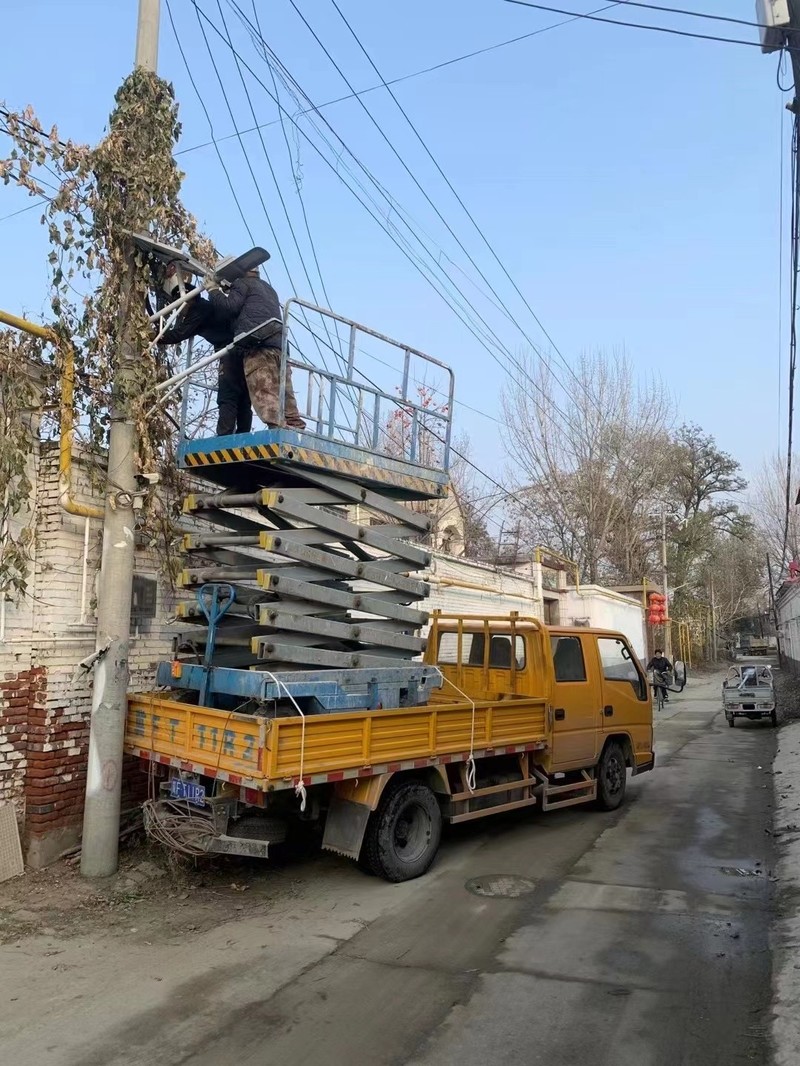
[{"x": 657, "y": 609}]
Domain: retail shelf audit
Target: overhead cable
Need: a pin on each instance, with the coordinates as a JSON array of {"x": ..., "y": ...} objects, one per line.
[{"x": 636, "y": 25}]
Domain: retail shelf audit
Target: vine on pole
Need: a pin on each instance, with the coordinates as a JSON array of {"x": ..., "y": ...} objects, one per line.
[{"x": 128, "y": 182}]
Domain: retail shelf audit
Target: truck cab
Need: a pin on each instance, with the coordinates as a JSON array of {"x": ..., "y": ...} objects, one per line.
[{"x": 591, "y": 680}]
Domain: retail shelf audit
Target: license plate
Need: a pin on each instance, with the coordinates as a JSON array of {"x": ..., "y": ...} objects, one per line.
[{"x": 187, "y": 790}]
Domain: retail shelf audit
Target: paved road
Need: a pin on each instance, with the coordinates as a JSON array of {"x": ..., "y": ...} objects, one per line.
[{"x": 639, "y": 937}]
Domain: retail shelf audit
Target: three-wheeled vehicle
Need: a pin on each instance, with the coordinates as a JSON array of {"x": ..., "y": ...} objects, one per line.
[{"x": 748, "y": 691}]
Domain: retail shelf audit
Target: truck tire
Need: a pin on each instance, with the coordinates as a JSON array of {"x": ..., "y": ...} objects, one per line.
[
  {"x": 774, "y": 718},
  {"x": 730, "y": 721},
  {"x": 403, "y": 834},
  {"x": 612, "y": 777}
]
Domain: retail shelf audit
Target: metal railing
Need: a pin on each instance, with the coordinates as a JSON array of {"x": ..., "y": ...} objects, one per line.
[{"x": 344, "y": 405}]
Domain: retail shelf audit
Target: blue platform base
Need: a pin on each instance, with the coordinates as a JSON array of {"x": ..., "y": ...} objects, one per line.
[
  {"x": 249, "y": 460},
  {"x": 316, "y": 691}
]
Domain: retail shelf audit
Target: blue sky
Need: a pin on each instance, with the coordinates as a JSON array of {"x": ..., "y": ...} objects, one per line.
[{"x": 629, "y": 181}]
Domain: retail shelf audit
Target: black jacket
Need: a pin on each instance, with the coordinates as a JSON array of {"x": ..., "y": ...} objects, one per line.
[
  {"x": 659, "y": 663},
  {"x": 199, "y": 319},
  {"x": 250, "y": 302}
]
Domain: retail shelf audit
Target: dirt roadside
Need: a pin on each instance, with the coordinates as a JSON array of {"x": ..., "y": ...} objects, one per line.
[{"x": 151, "y": 896}]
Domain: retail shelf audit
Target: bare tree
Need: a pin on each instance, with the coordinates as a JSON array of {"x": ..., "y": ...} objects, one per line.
[
  {"x": 474, "y": 498},
  {"x": 767, "y": 504},
  {"x": 734, "y": 579},
  {"x": 701, "y": 510},
  {"x": 589, "y": 463}
]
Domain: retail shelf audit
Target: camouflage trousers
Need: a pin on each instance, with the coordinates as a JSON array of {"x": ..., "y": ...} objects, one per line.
[{"x": 262, "y": 372}]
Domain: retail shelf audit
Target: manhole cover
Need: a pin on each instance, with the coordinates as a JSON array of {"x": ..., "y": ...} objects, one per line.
[{"x": 506, "y": 886}]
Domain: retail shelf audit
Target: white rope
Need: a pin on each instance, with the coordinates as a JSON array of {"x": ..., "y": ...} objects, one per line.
[
  {"x": 300, "y": 788},
  {"x": 471, "y": 772}
]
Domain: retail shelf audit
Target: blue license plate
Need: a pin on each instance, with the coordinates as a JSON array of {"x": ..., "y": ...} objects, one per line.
[{"x": 187, "y": 790}]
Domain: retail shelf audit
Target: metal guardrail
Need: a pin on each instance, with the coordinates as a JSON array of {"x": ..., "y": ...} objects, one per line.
[
  {"x": 344, "y": 404},
  {"x": 427, "y": 431}
]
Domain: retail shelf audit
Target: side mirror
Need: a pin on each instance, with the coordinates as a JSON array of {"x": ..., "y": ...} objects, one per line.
[{"x": 680, "y": 673}]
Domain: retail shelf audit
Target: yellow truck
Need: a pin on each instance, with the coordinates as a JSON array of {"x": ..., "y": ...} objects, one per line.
[
  {"x": 301, "y": 690},
  {"x": 525, "y": 714}
]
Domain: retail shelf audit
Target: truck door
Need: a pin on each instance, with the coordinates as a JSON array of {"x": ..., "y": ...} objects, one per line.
[
  {"x": 575, "y": 701},
  {"x": 626, "y": 699}
]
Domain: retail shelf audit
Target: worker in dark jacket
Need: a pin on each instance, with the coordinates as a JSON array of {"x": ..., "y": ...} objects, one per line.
[
  {"x": 252, "y": 302},
  {"x": 199, "y": 319}
]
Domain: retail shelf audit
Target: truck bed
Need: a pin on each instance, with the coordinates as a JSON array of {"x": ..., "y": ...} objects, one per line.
[{"x": 264, "y": 753}]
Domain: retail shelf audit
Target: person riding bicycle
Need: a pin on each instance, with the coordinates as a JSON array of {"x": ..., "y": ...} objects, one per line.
[{"x": 662, "y": 671}]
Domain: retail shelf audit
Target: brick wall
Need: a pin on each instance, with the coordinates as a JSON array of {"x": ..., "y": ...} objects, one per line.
[{"x": 44, "y": 701}]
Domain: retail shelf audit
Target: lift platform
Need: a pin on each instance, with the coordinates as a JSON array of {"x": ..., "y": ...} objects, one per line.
[{"x": 302, "y": 549}]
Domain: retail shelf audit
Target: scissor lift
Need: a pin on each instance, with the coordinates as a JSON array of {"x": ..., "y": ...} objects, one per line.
[{"x": 303, "y": 548}]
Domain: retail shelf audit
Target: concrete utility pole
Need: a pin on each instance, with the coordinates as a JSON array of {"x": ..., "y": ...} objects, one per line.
[
  {"x": 713, "y": 623},
  {"x": 100, "y": 846},
  {"x": 668, "y": 624}
]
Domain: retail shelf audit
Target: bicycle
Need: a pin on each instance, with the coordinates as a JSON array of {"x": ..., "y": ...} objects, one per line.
[{"x": 659, "y": 683}]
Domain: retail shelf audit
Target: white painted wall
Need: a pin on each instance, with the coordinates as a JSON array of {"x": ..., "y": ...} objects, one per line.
[
  {"x": 461, "y": 587},
  {"x": 788, "y": 606},
  {"x": 606, "y": 610}
]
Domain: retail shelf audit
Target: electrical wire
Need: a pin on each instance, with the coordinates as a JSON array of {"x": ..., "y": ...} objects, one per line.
[
  {"x": 247, "y": 159},
  {"x": 638, "y": 25},
  {"x": 298, "y": 190},
  {"x": 425, "y": 194},
  {"x": 489, "y": 339},
  {"x": 471, "y": 218},
  {"x": 270, "y": 166},
  {"x": 210, "y": 123},
  {"x": 414, "y": 74},
  {"x": 22, "y": 210},
  {"x": 781, "y": 64},
  {"x": 376, "y": 210},
  {"x": 694, "y": 14},
  {"x": 252, "y": 171}
]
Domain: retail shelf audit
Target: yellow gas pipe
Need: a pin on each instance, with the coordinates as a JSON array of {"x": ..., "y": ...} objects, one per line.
[{"x": 66, "y": 416}]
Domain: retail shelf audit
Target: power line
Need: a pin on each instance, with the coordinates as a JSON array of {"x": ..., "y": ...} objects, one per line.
[
  {"x": 466, "y": 210},
  {"x": 424, "y": 192},
  {"x": 297, "y": 184},
  {"x": 489, "y": 339},
  {"x": 636, "y": 25},
  {"x": 210, "y": 123},
  {"x": 694, "y": 14},
  {"x": 244, "y": 150},
  {"x": 414, "y": 74},
  {"x": 250, "y": 166},
  {"x": 393, "y": 203},
  {"x": 22, "y": 210}
]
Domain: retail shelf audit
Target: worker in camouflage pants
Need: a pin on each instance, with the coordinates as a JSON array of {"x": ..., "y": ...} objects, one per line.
[
  {"x": 252, "y": 307},
  {"x": 262, "y": 372}
]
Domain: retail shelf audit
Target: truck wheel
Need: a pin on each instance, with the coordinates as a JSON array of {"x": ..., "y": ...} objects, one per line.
[
  {"x": 612, "y": 777},
  {"x": 403, "y": 834},
  {"x": 774, "y": 718},
  {"x": 730, "y": 721}
]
